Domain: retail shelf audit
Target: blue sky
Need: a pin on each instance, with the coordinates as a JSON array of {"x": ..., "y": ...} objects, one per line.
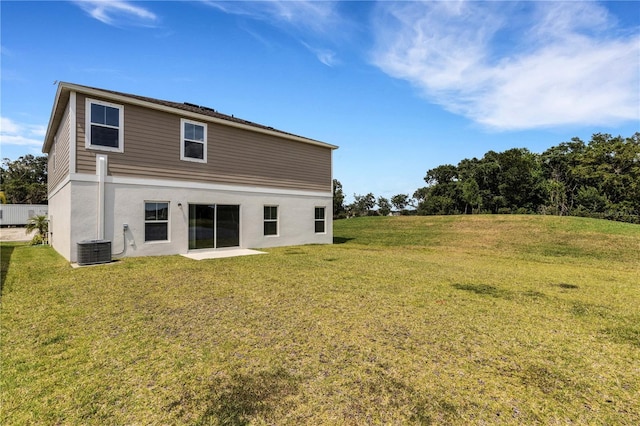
[{"x": 401, "y": 87}]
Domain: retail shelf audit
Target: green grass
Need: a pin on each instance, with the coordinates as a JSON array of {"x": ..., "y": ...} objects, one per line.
[{"x": 407, "y": 320}]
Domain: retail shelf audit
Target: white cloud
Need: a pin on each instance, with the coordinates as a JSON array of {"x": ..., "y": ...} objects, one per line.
[
  {"x": 513, "y": 66},
  {"x": 316, "y": 16},
  {"x": 319, "y": 21},
  {"x": 117, "y": 12},
  {"x": 13, "y": 133},
  {"x": 326, "y": 56}
]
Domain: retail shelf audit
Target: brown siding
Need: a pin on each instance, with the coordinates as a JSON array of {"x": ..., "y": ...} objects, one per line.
[
  {"x": 234, "y": 156},
  {"x": 61, "y": 149}
]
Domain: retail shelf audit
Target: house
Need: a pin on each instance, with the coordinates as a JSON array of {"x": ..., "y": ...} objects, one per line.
[{"x": 158, "y": 178}]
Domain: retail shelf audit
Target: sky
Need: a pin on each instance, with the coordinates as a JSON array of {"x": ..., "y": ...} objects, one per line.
[{"x": 400, "y": 87}]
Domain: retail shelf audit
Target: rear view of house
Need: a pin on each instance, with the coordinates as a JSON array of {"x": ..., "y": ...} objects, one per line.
[{"x": 154, "y": 177}]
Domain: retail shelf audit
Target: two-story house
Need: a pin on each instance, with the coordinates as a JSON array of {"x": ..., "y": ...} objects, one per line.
[{"x": 158, "y": 178}]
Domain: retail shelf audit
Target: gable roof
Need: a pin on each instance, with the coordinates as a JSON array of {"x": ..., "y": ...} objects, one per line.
[{"x": 184, "y": 109}]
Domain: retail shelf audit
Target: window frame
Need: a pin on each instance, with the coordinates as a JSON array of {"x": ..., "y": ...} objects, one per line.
[
  {"x": 266, "y": 220},
  {"x": 323, "y": 220},
  {"x": 183, "y": 139},
  {"x": 156, "y": 221},
  {"x": 88, "y": 123}
]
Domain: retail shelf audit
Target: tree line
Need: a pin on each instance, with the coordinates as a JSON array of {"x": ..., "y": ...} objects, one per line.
[
  {"x": 24, "y": 181},
  {"x": 598, "y": 179}
]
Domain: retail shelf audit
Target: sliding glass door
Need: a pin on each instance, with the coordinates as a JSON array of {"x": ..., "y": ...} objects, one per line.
[
  {"x": 227, "y": 226},
  {"x": 214, "y": 226}
]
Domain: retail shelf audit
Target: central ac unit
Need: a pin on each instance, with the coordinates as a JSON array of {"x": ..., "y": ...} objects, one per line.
[{"x": 91, "y": 252}]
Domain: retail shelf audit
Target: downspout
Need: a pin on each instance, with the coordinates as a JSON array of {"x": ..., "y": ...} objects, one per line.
[{"x": 101, "y": 171}]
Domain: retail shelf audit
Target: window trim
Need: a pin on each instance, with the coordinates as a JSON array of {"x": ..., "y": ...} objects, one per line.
[
  {"x": 323, "y": 220},
  {"x": 184, "y": 121},
  {"x": 276, "y": 220},
  {"x": 88, "y": 124},
  {"x": 167, "y": 221}
]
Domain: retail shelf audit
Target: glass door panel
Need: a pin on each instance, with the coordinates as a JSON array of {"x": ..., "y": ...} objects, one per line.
[
  {"x": 227, "y": 225},
  {"x": 201, "y": 226}
]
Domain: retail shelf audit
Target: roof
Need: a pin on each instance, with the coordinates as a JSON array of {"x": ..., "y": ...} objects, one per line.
[{"x": 183, "y": 109}]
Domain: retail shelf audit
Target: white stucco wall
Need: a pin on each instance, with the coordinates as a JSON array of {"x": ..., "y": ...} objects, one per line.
[
  {"x": 124, "y": 203},
  {"x": 60, "y": 220}
]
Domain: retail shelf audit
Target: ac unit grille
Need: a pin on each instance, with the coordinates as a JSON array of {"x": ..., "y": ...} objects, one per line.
[{"x": 91, "y": 252}]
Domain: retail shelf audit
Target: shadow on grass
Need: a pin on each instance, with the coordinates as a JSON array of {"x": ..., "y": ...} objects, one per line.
[
  {"x": 491, "y": 291},
  {"x": 238, "y": 399},
  {"x": 5, "y": 260},
  {"x": 341, "y": 240},
  {"x": 566, "y": 286},
  {"x": 483, "y": 290}
]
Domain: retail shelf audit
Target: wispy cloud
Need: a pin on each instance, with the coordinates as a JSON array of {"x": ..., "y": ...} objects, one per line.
[
  {"x": 317, "y": 16},
  {"x": 513, "y": 65},
  {"x": 117, "y": 12},
  {"x": 312, "y": 22},
  {"x": 14, "y": 133},
  {"x": 326, "y": 56}
]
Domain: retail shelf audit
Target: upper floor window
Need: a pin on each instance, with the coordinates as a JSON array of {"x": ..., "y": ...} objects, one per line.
[
  {"x": 104, "y": 126},
  {"x": 193, "y": 141}
]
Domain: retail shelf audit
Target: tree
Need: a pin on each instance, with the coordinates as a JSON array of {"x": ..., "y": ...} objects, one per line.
[
  {"x": 556, "y": 198},
  {"x": 441, "y": 174},
  {"x": 471, "y": 194},
  {"x": 600, "y": 179},
  {"x": 338, "y": 200},
  {"x": 24, "y": 181},
  {"x": 443, "y": 194},
  {"x": 560, "y": 166},
  {"x": 362, "y": 204},
  {"x": 40, "y": 224},
  {"x": 384, "y": 207},
  {"x": 590, "y": 199},
  {"x": 400, "y": 202},
  {"x": 521, "y": 180}
]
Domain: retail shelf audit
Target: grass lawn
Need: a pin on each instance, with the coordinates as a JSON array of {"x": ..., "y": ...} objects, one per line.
[{"x": 405, "y": 320}]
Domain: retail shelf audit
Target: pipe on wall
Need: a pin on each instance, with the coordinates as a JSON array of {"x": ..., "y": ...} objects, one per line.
[{"x": 101, "y": 171}]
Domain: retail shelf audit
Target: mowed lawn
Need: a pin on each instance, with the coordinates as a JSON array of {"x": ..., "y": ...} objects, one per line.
[{"x": 405, "y": 320}]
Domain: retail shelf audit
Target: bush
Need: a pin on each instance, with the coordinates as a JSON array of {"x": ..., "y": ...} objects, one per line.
[{"x": 37, "y": 240}]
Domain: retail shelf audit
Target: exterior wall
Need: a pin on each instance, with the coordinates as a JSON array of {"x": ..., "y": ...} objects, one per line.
[
  {"x": 19, "y": 214},
  {"x": 124, "y": 204},
  {"x": 58, "y": 158},
  {"x": 60, "y": 220},
  {"x": 235, "y": 156}
]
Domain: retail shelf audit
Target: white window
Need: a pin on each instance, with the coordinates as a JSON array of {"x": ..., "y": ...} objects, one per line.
[
  {"x": 156, "y": 221},
  {"x": 193, "y": 141},
  {"x": 270, "y": 220},
  {"x": 104, "y": 126},
  {"x": 320, "y": 220}
]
